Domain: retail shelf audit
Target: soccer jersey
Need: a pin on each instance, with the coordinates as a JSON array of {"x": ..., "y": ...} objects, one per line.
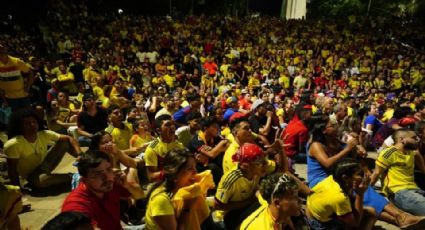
[
  {"x": 328, "y": 200},
  {"x": 157, "y": 150},
  {"x": 400, "y": 167},
  {"x": 260, "y": 219},
  {"x": 159, "y": 204},
  {"x": 11, "y": 80},
  {"x": 121, "y": 137}
]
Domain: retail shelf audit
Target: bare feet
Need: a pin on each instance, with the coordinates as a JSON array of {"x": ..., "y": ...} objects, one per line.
[{"x": 410, "y": 222}]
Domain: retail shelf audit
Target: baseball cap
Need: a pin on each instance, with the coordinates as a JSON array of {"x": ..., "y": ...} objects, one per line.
[
  {"x": 256, "y": 103},
  {"x": 248, "y": 153},
  {"x": 230, "y": 100}
]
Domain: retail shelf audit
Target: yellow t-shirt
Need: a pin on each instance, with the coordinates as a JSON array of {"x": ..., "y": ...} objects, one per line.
[
  {"x": 328, "y": 200},
  {"x": 159, "y": 149},
  {"x": 284, "y": 81},
  {"x": 228, "y": 163},
  {"x": 400, "y": 167},
  {"x": 11, "y": 80},
  {"x": 30, "y": 155},
  {"x": 259, "y": 219},
  {"x": 253, "y": 82},
  {"x": 121, "y": 137},
  {"x": 169, "y": 80},
  {"x": 387, "y": 115},
  {"x": 397, "y": 83},
  {"x": 66, "y": 76},
  {"x": 137, "y": 141},
  {"x": 159, "y": 204},
  {"x": 10, "y": 203}
]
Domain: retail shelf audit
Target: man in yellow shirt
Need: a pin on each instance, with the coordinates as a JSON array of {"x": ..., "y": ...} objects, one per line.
[
  {"x": 120, "y": 131},
  {"x": 398, "y": 164},
  {"x": 16, "y": 78},
  {"x": 159, "y": 148},
  {"x": 28, "y": 155},
  {"x": 281, "y": 193}
]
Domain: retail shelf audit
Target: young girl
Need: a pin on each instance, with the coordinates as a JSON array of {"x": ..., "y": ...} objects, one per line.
[
  {"x": 338, "y": 200},
  {"x": 142, "y": 135},
  {"x": 179, "y": 172}
]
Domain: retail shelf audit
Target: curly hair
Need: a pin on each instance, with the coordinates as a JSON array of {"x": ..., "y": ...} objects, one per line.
[
  {"x": 16, "y": 121},
  {"x": 277, "y": 185}
]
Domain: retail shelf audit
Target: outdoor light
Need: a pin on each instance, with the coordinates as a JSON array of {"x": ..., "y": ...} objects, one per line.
[{"x": 120, "y": 11}]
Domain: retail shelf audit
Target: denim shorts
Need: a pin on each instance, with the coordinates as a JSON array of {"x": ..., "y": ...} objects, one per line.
[{"x": 411, "y": 201}]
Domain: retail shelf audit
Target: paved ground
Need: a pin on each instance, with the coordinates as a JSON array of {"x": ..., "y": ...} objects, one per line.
[{"x": 45, "y": 208}]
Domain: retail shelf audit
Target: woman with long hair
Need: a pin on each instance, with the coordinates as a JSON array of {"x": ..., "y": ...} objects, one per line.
[
  {"x": 338, "y": 199},
  {"x": 179, "y": 171}
]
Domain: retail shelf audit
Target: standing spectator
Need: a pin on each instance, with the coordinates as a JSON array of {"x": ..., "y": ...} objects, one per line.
[{"x": 16, "y": 78}]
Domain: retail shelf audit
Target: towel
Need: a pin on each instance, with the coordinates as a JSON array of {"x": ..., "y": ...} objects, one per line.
[{"x": 199, "y": 210}]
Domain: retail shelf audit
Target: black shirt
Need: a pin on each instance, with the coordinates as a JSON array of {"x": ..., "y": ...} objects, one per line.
[{"x": 93, "y": 124}]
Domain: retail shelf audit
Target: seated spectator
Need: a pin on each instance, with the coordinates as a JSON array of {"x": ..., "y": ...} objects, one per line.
[
  {"x": 398, "y": 163},
  {"x": 280, "y": 191},
  {"x": 371, "y": 122},
  {"x": 232, "y": 107},
  {"x": 142, "y": 134},
  {"x": 236, "y": 191},
  {"x": 330, "y": 205},
  {"x": 120, "y": 131},
  {"x": 10, "y": 207},
  {"x": 55, "y": 120},
  {"x": 209, "y": 148},
  {"x": 159, "y": 148},
  {"x": 194, "y": 104},
  {"x": 69, "y": 221},
  {"x": 162, "y": 211},
  {"x": 91, "y": 120},
  {"x": 186, "y": 133},
  {"x": 295, "y": 135},
  {"x": 261, "y": 118},
  {"x": 28, "y": 153},
  {"x": 99, "y": 192},
  {"x": 325, "y": 150}
]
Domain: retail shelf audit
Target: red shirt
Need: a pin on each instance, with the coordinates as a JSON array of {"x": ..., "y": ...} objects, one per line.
[
  {"x": 211, "y": 67},
  {"x": 103, "y": 212},
  {"x": 296, "y": 135}
]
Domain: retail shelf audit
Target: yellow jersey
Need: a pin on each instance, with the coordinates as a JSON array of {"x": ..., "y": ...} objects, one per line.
[
  {"x": 121, "y": 137},
  {"x": 157, "y": 150},
  {"x": 400, "y": 167},
  {"x": 260, "y": 219},
  {"x": 11, "y": 79},
  {"x": 159, "y": 204}
]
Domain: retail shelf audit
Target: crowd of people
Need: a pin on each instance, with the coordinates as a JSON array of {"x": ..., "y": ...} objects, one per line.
[{"x": 197, "y": 123}]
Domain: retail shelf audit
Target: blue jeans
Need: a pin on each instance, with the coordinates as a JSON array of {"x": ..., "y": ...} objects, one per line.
[{"x": 411, "y": 201}]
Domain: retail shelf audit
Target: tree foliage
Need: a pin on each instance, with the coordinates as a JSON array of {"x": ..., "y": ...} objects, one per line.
[{"x": 393, "y": 8}]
